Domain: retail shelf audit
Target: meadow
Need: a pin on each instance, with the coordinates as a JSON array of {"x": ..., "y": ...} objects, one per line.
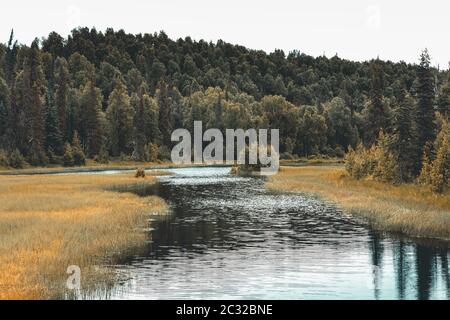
[
  {"x": 49, "y": 222},
  {"x": 408, "y": 209}
]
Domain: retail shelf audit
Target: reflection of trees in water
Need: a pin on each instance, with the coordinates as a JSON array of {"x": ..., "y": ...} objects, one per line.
[
  {"x": 376, "y": 251},
  {"x": 425, "y": 268},
  {"x": 444, "y": 256},
  {"x": 402, "y": 268}
]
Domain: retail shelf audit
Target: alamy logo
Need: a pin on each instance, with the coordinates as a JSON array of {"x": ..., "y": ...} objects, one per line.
[{"x": 250, "y": 144}]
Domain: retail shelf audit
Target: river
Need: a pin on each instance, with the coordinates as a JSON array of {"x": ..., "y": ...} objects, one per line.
[{"x": 228, "y": 237}]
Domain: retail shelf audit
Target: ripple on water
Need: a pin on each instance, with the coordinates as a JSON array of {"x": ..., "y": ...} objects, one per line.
[{"x": 228, "y": 238}]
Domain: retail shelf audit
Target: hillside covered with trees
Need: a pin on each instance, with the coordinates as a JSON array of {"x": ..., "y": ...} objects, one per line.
[{"x": 112, "y": 94}]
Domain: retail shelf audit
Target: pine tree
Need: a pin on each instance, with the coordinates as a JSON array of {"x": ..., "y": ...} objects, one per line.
[
  {"x": 425, "y": 96},
  {"x": 4, "y": 111},
  {"x": 68, "y": 155},
  {"x": 375, "y": 112},
  {"x": 165, "y": 105},
  {"x": 408, "y": 155},
  {"x": 91, "y": 114},
  {"x": 444, "y": 97},
  {"x": 10, "y": 59},
  {"x": 32, "y": 98},
  {"x": 53, "y": 137},
  {"x": 139, "y": 124},
  {"x": 120, "y": 119},
  {"x": 79, "y": 158},
  {"x": 61, "y": 93}
]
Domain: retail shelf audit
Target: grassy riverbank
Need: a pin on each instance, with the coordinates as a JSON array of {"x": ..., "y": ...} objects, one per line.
[
  {"x": 90, "y": 166},
  {"x": 409, "y": 209},
  {"x": 48, "y": 222}
]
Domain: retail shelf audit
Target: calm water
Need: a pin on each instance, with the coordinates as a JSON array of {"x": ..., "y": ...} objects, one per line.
[{"x": 229, "y": 238}]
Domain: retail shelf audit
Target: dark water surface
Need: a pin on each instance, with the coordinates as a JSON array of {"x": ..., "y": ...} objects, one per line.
[{"x": 229, "y": 238}]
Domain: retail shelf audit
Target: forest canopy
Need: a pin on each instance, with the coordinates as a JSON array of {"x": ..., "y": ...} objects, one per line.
[{"x": 111, "y": 94}]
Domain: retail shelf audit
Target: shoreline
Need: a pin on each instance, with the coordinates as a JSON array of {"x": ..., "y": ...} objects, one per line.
[
  {"x": 114, "y": 166},
  {"x": 50, "y": 222},
  {"x": 408, "y": 210}
]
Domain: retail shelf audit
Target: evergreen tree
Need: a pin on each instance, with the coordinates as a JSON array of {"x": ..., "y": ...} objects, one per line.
[
  {"x": 33, "y": 90},
  {"x": 425, "y": 97},
  {"x": 444, "y": 97},
  {"x": 10, "y": 59},
  {"x": 91, "y": 115},
  {"x": 120, "y": 119},
  {"x": 375, "y": 113},
  {"x": 165, "y": 106},
  {"x": 53, "y": 137},
  {"x": 408, "y": 155},
  {"x": 4, "y": 111},
  {"x": 79, "y": 159},
  {"x": 61, "y": 76},
  {"x": 139, "y": 125}
]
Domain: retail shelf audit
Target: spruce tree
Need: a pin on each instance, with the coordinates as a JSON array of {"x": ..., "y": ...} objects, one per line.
[
  {"x": 165, "y": 106},
  {"x": 425, "y": 97},
  {"x": 61, "y": 76},
  {"x": 444, "y": 97},
  {"x": 91, "y": 114},
  {"x": 32, "y": 99},
  {"x": 53, "y": 137},
  {"x": 375, "y": 113},
  {"x": 405, "y": 136},
  {"x": 4, "y": 111},
  {"x": 139, "y": 125},
  {"x": 10, "y": 59},
  {"x": 120, "y": 119}
]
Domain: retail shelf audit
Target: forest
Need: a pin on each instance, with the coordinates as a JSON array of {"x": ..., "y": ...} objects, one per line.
[{"x": 106, "y": 95}]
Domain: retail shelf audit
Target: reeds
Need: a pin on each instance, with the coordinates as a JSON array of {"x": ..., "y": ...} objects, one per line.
[
  {"x": 49, "y": 222},
  {"x": 408, "y": 209}
]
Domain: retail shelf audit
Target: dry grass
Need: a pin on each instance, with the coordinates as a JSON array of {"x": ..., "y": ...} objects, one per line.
[
  {"x": 409, "y": 209},
  {"x": 49, "y": 222}
]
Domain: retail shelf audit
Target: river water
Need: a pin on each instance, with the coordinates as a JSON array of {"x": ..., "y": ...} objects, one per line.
[{"x": 228, "y": 237}]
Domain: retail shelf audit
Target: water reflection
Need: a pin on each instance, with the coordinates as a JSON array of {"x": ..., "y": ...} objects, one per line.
[{"x": 228, "y": 237}]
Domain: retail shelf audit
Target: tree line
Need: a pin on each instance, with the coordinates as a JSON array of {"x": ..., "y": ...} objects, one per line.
[{"x": 112, "y": 94}]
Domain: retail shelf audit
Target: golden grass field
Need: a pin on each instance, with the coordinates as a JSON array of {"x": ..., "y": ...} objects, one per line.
[
  {"x": 48, "y": 222},
  {"x": 409, "y": 209}
]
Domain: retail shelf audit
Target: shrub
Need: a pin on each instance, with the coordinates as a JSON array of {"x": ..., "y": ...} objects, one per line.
[
  {"x": 68, "y": 160},
  {"x": 377, "y": 161},
  {"x": 79, "y": 158},
  {"x": 53, "y": 158},
  {"x": 140, "y": 173},
  {"x": 124, "y": 157},
  {"x": 4, "y": 161},
  {"x": 103, "y": 156},
  {"x": 16, "y": 159}
]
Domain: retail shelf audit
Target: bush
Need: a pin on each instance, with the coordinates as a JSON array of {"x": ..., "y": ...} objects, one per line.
[
  {"x": 4, "y": 161},
  {"x": 151, "y": 152},
  {"x": 103, "y": 156},
  {"x": 140, "y": 173},
  {"x": 436, "y": 172},
  {"x": 124, "y": 157},
  {"x": 79, "y": 158},
  {"x": 16, "y": 160},
  {"x": 68, "y": 160},
  {"x": 377, "y": 161},
  {"x": 54, "y": 158}
]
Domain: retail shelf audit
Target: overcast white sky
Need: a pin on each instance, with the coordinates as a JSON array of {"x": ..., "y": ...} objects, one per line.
[{"x": 354, "y": 29}]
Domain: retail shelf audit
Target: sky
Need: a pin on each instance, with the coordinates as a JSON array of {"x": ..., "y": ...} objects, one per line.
[{"x": 354, "y": 29}]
